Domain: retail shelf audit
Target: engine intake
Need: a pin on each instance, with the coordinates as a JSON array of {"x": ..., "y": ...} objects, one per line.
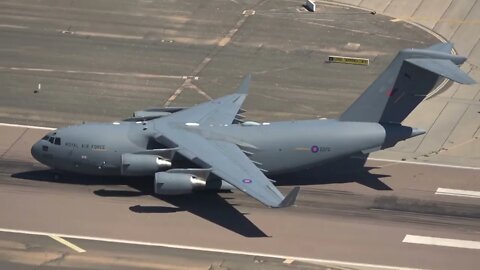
[
  {"x": 140, "y": 164},
  {"x": 177, "y": 183}
]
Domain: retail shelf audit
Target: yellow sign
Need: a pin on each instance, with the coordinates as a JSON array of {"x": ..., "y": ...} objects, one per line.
[{"x": 348, "y": 60}]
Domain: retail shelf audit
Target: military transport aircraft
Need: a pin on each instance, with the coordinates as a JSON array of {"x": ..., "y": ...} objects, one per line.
[{"x": 209, "y": 146}]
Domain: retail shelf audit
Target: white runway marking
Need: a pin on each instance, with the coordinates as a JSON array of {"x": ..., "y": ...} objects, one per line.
[
  {"x": 105, "y": 35},
  {"x": 425, "y": 163},
  {"x": 25, "y": 126},
  {"x": 66, "y": 243},
  {"x": 458, "y": 192},
  {"x": 13, "y": 26},
  {"x": 226, "y": 251},
  {"x": 99, "y": 73},
  {"x": 444, "y": 242}
]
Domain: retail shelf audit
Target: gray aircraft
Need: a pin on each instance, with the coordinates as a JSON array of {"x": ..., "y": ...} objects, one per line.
[{"x": 209, "y": 146}]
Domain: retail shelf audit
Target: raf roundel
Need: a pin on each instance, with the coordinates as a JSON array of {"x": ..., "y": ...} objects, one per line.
[
  {"x": 314, "y": 149},
  {"x": 247, "y": 181}
]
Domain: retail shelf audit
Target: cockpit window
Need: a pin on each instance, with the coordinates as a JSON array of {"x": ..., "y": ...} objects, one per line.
[
  {"x": 46, "y": 137},
  {"x": 57, "y": 141},
  {"x": 51, "y": 139}
]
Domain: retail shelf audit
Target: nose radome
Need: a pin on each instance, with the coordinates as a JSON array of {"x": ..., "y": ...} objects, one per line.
[{"x": 36, "y": 148}]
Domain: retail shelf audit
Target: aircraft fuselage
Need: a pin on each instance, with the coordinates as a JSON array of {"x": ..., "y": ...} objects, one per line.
[{"x": 97, "y": 148}]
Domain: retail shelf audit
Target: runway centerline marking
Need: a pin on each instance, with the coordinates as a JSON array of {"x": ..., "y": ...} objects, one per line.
[
  {"x": 66, "y": 243},
  {"x": 458, "y": 192},
  {"x": 213, "y": 250},
  {"x": 444, "y": 242}
]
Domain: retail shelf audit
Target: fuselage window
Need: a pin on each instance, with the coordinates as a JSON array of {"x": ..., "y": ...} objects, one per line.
[
  {"x": 46, "y": 137},
  {"x": 51, "y": 139},
  {"x": 57, "y": 141}
]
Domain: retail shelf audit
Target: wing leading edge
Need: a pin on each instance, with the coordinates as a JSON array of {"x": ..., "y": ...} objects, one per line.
[{"x": 219, "y": 111}]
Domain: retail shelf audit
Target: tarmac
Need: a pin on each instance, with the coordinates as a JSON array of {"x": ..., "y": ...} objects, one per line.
[
  {"x": 347, "y": 215},
  {"x": 451, "y": 118},
  {"x": 72, "y": 61}
]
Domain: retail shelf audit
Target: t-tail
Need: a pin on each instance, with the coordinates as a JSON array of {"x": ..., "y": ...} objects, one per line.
[{"x": 403, "y": 85}]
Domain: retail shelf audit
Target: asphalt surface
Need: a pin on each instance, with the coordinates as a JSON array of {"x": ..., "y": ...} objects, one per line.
[
  {"x": 344, "y": 212},
  {"x": 103, "y": 60}
]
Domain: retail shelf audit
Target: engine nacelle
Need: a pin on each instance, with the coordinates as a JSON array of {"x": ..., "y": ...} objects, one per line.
[
  {"x": 177, "y": 183},
  {"x": 140, "y": 165}
]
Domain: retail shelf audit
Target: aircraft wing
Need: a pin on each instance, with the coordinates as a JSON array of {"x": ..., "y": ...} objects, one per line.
[
  {"x": 227, "y": 161},
  {"x": 190, "y": 131},
  {"x": 219, "y": 111}
]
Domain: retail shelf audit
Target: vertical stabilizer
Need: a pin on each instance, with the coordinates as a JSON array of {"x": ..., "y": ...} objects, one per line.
[{"x": 405, "y": 83}]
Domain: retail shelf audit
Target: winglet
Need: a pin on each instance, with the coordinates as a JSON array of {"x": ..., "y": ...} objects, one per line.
[
  {"x": 243, "y": 89},
  {"x": 290, "y": 198}
]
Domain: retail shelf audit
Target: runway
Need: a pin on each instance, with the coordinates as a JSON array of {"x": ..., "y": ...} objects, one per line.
[
  {"x": 361, "y": 216},
  {"x": 72, "y": 61}
]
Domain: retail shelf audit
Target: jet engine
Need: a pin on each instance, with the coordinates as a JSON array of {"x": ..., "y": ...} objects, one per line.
[
  {"x": 177, "y": 183},
  {"x": 142, "y": 164}
]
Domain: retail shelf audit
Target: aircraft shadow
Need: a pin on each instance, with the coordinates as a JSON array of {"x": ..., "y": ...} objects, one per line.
[
  {"x": 207, "y": 205},
  {"x": 340, "y": 171},
  {"x": 210, "y": 205}
]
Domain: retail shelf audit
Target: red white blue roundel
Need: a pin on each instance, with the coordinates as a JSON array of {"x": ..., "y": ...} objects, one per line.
[
  {"x": 314, "y": 149},
  {"x": 247, "y": 181}
]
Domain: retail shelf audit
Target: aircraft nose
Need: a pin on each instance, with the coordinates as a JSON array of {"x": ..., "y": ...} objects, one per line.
[{"x": 36, "y": 149}]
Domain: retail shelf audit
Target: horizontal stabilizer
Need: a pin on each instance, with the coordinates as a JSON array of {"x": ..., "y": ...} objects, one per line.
[
  {"x": 442, "y": 67},
  {"x": 441, "y": 47}
]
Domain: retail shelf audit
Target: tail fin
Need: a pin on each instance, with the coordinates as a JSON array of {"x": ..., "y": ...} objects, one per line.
[{"x": 405, "y": 83}]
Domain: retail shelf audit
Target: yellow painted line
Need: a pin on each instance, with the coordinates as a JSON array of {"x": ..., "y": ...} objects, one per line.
[
  {"x": 66, "y": 243},
  {"x": 288, "y": 261}
]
